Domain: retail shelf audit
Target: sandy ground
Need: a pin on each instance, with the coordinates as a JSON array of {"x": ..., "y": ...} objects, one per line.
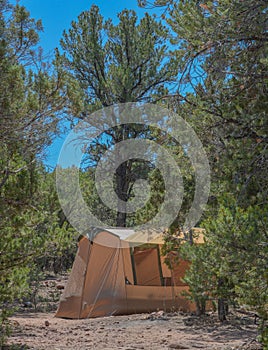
[{"x": 145, "y": 331}]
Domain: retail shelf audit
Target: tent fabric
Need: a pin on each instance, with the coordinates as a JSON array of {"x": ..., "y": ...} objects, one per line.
[
  {"x": 70, "y": 304},
  {"x": 126, "y": 252},
  {"x": 151, "y": 236},
  {"x": 151, "y": 298},
  {"x": 111, "y": 277},
  {"x": 146, "y": 267}
]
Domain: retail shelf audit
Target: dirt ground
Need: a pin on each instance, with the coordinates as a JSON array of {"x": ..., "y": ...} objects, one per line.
[
  {"x": 36, "y": 328},
  {"x": 145, "y": 331}
]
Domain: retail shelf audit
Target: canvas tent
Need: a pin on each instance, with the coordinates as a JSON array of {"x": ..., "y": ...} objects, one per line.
[{"x": 112, "y": 275}]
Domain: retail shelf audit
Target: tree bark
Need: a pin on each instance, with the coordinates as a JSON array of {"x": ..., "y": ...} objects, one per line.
[
  {"x": 222, "y": 302},
  {"x": 122, "y": 187},
  {"x": 222, "y": 309}
]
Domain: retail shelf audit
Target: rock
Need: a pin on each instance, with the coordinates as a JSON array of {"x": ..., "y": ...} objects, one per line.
[
  {"x": 188, "y": 321},
  {"x": 27, "y": 304},
  {"x": 47, "y": 323},
  {"x": 159, "y": 315},
  {"x": 60, "y": 287}
]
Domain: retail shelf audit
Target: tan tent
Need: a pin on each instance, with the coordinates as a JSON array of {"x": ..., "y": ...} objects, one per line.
[{"x": 111, "y": 275}]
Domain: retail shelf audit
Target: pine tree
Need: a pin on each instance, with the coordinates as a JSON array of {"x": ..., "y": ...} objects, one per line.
[
  {"x": 31, "y": 96},
  {"x": 127, "y": 62},
  {"x": 222, "y": 50}
]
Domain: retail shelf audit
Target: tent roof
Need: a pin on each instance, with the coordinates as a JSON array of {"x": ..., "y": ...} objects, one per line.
[{"x": 149, "y": 236}]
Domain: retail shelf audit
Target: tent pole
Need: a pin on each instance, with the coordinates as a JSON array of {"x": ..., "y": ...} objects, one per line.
[
  {"x": 122, "y": 255},
  {"x": 160, "y": 265},
  {"x": 133, "y": 265},
  {"x": 172, "y": 280}
]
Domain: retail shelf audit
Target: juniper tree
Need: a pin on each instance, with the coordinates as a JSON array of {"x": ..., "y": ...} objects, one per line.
[
  {"x": 222, "y": 52},
  {"x": 31, "y": 95}
]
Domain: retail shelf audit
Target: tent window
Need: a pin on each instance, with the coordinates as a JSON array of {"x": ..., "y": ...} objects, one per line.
[{"x": 147, "y": 266}]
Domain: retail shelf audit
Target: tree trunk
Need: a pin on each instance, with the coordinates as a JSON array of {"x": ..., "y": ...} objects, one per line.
[
  {"x": 222, "y": 303},
  {"x": 222, "y": 309},
  {"x": 121, "y": 219},
  {"x": 122, "y": 187},
  {"x": 200, "y": 306}
]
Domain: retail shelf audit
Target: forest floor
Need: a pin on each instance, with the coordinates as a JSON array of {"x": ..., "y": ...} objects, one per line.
[{"x": 156, "y": 331}]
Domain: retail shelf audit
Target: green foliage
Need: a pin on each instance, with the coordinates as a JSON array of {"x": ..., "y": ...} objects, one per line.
[
  {"x": 127, "y": 62},
  {"x": 241, "y": 232},
  {"x": 232, "y": 263},
  {"x": 221, "y": 56},
  {"x": 110, "y": 64},
  {"x": 199, "y": 277},
  {"x": 31, "y": 97},
  {"x": 221, "y": 49}
]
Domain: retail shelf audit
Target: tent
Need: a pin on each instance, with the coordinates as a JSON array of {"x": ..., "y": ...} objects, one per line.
[{"x": 113, "y": 275}]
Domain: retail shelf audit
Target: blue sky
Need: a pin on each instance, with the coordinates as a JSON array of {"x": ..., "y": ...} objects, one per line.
[{"x": 56, "y": 16}]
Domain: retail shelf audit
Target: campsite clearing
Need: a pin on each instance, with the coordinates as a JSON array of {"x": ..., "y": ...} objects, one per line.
[{"x": 155, "y": 331}]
